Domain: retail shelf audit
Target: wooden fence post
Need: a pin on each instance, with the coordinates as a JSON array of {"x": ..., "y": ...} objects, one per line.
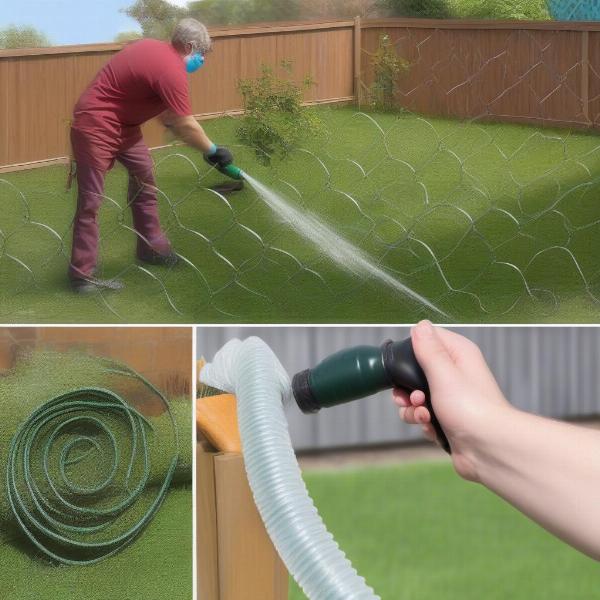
[
  {"x": 585, "y": 75},
  {"x": 235, "y": 557},
  {"x": 357, "y": 59},
  {"x": 206, "y": 524}
]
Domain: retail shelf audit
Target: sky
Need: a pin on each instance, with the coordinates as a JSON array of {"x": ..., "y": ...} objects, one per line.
[{"x": 71, "y": 21}]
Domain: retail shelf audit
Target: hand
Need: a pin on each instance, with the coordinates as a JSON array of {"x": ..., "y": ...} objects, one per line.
[
  {"x": 464, "y": 393},
  {"x": 220, "y": 157}
]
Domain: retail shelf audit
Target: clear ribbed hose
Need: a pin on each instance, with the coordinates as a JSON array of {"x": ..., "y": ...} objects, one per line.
[{"x": 252, "y": 372}]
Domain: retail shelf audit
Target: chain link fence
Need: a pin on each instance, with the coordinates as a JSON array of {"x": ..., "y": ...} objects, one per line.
[{"x": 474, "y": 214}]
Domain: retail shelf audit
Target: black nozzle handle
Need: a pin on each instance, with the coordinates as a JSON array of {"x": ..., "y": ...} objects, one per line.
[{"x": 404, "y": 372}]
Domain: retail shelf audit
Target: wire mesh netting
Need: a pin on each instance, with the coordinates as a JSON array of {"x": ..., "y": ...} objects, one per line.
[
  {"x": 387, "y": 216},
  {"x": 575, "y": 10}
]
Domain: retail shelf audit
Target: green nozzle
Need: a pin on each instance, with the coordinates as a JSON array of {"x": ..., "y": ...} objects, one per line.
[
  {"x": 360, "y": 372},
  {"x": 233, "y": 172},
  {"x": 342, "y": 377}
]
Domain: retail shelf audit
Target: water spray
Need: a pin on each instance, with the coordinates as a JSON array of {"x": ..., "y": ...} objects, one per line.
[
  {"x": 363, "y": 371},
  {"x": 345, "y": 254}
]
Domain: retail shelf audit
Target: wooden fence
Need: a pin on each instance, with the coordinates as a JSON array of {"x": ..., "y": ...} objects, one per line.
[
  {"x": 39, "y": 87},
  {"x": 535, "y": 72},
  {"x": 162, "y": 354},
  {"x": 540, "y": 72}
]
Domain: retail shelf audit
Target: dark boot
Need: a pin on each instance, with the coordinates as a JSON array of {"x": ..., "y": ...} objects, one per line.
[{"x": 163, "y": 260}]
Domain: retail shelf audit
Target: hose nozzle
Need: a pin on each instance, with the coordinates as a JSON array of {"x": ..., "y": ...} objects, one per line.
[
  {"x": 360, "y": 372},
  {"x": 232, "y": 171}
]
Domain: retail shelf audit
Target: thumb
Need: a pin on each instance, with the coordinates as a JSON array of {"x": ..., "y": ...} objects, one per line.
[{"x": 432, "y": 354}]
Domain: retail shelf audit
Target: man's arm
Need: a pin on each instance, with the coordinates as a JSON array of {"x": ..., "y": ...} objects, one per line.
[{"x": 189, "y": 131}]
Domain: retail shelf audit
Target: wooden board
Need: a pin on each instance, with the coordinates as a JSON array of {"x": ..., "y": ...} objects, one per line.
[
  {"x": 162, "y": 354},
  {"x": 206, "y": 524},
  {"x": 249, "y": 566}
]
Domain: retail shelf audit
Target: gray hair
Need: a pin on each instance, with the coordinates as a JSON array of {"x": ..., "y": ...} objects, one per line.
[{"x": 192, "y": 32}]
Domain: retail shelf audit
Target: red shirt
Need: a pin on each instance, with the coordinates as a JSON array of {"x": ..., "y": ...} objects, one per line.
[{"x": 139, "y": 83}]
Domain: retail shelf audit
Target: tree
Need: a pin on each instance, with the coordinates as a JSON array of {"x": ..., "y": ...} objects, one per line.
[
  {"x": 274, "y": 10},
  {"x": 501, "y": 9},
  {"x": 426, "y": 9},
  {"x": 235, "y": 12},
  {"x": 338, "y": 9},
  {"x": 127, "y": 36},
  {"x": 219, "y": 12},
  {"x": 14, "y": 36},
  {"x": 157, "y": 18}
]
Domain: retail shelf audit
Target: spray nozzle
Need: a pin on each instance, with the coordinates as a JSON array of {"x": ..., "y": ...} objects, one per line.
[
  {"x": 360, "y": 372},
  {"x": 232, "y": 171}
]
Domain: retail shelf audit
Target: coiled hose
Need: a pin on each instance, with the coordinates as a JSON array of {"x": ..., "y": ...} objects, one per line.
[
  {"x": 63, "y": 517},
  {"x": 251, "y": 371}
]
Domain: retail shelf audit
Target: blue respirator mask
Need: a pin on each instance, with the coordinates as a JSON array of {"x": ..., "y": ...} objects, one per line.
[{"x": 194, "y": 61}]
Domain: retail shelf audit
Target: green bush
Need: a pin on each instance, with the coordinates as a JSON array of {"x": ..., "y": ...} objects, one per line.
[
  {"x": 427, "y": 9},
  {"x": 387, "y": 67},
  {"x": 275, "y": 121},
  {"x": 499, "y": 9},
  {"x": 467, "y": 9}
]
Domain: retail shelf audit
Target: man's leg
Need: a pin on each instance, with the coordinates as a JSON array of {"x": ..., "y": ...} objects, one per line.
[
  {"x": 84, "y": 254},
  {"x": 152, "y": 243}
]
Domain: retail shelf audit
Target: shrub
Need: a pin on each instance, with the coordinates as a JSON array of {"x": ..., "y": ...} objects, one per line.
[
  {"x": 500, "y": 9},
  {"x": 275, "y": 121},
  {"x": 387, "y": 67},
  {"x": 426, "y": 9}
]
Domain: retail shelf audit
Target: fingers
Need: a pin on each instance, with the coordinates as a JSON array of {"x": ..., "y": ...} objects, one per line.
[
  {"x": 429, "y": 433},
  {"x": 432, "y": 354},
  {"x": 415, "y": 415},
  {"x": 403, "y": 398},
  {"x": 413, "y": 411},
  {"x": 417, "y": 398}
]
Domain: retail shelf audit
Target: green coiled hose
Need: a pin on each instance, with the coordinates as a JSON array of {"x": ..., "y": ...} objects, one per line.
[{"x": 68, "y": 521}]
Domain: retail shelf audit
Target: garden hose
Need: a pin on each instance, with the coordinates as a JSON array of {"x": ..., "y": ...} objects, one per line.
[
  {"x": 251, "y": 371},
  {"x": 75, "y": 522},
  {"x": 362, "y": 371}
]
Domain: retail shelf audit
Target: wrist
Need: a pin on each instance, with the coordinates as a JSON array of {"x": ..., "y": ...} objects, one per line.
[
  {"x": 211, "y": 149},
  {"x": 483, "y": 447}
]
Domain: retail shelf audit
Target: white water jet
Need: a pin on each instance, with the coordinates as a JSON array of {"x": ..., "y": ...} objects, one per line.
[{"x": 345, "y": 254}]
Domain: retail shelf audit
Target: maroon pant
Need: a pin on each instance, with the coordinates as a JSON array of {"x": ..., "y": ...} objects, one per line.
[{"x": 141, "y": 198}]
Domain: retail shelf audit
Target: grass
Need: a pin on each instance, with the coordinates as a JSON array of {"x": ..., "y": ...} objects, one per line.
[
  {"x": 510, "y": 213},
  {"x": 159, "y": 563},
  {"x": 420, "y": 532},
  {"x": 157, "y": 566}
]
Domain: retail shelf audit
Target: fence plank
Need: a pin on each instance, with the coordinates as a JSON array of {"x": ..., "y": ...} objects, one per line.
[
  {"x": 357, "y": 59},
  {"x": 585, "y": 74}
]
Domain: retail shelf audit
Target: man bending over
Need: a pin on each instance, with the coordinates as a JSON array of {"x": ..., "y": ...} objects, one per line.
[{"x": 146, "y": 79}]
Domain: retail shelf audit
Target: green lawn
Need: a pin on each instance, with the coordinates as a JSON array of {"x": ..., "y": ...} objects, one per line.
[
  {"x": 158, "y": 564},
  {"x": 492, "y": 223},
  {"x": 418, "y": 532}
]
